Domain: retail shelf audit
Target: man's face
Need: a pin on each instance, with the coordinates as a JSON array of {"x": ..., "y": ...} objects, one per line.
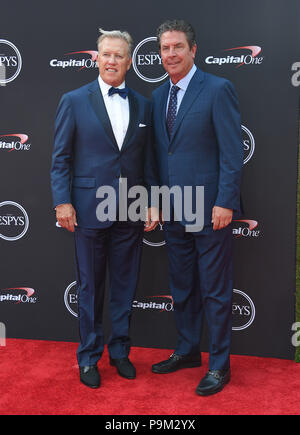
[
  {"x": 113, "y": 60},
  {"x": 176, "y": 55}
]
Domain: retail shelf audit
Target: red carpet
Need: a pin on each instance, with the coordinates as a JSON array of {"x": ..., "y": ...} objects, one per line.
[{"x": 41, "y": 378}]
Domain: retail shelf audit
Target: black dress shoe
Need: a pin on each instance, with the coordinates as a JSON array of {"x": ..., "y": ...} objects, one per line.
[
  {"x": 213, "y": 382},
  {"x": 125, "y": 367},
  {"x": 90, "y": 376},
  {"x": 177, "y": 362}
]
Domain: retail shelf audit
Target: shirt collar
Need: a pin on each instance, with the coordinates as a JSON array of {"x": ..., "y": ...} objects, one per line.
[
  {"x": 184, "y": 82},
  {"x": 105, "y": 86}
]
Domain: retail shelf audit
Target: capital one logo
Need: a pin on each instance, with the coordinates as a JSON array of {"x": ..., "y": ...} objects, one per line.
[
  {"x": 10, "y": 62},
  {"x": 14, "y": 221},
  {"x": 238, "y": 56},
  {"x": 164, "y": 303},
  {"x": 245, "y": 228},
  {"x": 243, "y": 310},
  {"x": 146, "y": 61},
  {"x": 18, "y": 295},
  {"x": 14, "y": 142},
  {"x": 84, "y": 59}
]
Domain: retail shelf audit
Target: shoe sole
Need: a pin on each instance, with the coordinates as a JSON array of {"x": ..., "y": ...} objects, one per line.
[
  {"x": 126, "y": 377},
  {"x": 184, "y": 366},
  {"x": 211, "y": 392},
  {"x": 90, "y": 386}
]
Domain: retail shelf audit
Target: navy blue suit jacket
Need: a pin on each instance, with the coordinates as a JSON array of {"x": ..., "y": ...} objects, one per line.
[
  {"x": 205, "y": 148},
  {"x": 86, "y": 155}
]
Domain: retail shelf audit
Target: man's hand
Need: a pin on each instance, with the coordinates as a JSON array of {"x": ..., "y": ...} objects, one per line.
[
  {"x": 152, "y": 219},
  {"x": 221, "y": 217},
  {"x": 66, "y": 216}
]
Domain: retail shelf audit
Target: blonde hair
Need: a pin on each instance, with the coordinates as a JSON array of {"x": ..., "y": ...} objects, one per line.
[{"x": 118, "y": 34}]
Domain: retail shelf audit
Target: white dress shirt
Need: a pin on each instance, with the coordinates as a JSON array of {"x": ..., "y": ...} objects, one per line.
[
  {"x": 182, "y": 84},
  {"x": 117, "y": 109}
]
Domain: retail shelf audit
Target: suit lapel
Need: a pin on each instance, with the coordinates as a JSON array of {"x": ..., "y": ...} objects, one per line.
[
  {"x": 98, "y": 105},
  {"x": 194, "y": 88},
  {"x": 133, "y": 117},
  {"x": 163, "y": 105}
]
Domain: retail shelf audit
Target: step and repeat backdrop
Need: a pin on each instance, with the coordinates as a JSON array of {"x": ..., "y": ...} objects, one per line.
[{"x": 49, "y": 48}]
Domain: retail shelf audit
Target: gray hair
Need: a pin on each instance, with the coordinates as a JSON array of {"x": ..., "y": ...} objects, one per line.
[
  {"x": 180, "y": 26},
  {"x": 117, "y": 34}
]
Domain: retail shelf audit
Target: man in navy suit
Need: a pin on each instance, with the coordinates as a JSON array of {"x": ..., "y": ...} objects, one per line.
[
  {"x": 103, "y": 138},
  {"x": 198, "y": 142}
]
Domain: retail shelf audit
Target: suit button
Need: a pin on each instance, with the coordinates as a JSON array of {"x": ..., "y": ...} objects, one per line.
[{"x": 170, "y": 153}]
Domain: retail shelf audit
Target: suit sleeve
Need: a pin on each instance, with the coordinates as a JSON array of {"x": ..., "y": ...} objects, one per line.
[
  {"x": 150, "y": 166},
  {"x": 227, "y": 123},
  {"x": 62, "y": 152}
]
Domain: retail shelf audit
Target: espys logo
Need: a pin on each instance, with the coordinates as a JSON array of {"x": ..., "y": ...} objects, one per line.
[
  {"x": 245, "y": 228},
  {"x": 243, "y": 310},
  {"x": 11, "y": 60},
  {"x": 18, "y": 295},
  {"x": 248, "y": 143},
  {"x": 19, "y": 144},
  {"x": 88, "y": 61},
  {"x": 70, "y": 299},
  {"x": 238, "y": 58},
  {"x": 14, "y": 221},
  {"x": 155, "y": 237},
  {"x": 166, "y": 305},
  {"x": 146, "y": 61}
]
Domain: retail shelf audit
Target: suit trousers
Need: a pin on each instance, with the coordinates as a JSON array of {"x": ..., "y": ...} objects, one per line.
[
  {"x": 201, "y": 284},
  {"x": 118, "y": 250}
]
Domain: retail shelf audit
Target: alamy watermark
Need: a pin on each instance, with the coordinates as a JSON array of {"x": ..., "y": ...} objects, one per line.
[
  {"x": 187, "y": 204},
  {"x": 296, "y": 336},
  {"x": 2, "y": 334},
  {"x": 2, "y": 74},
  {"x": 296, "y": 76}
]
